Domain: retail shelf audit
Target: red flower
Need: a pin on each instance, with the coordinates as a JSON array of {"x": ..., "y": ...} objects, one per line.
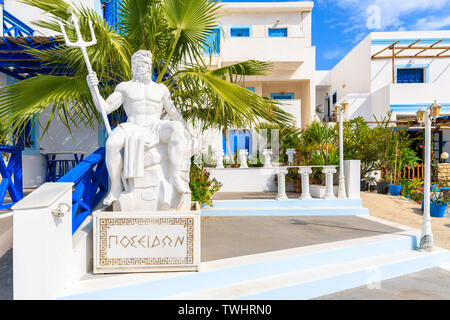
[{"x": 421, "y": 146}]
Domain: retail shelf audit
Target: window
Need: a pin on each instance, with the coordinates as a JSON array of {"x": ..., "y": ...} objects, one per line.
[
  {"x": 410, "y": 75},
  {"x": 240, "y": 32},
  {"x": 239, "y": 139},
  {"x": 334, "y": 98},
  {"x": 282, "y": 96},
  {"x": 212, "y": 46},
  {"x": 278, "y": 32},
  {"x": 327, "y": 109}
]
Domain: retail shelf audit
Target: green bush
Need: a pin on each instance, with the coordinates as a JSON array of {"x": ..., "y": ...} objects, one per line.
[{"x": 202, "y": 187}]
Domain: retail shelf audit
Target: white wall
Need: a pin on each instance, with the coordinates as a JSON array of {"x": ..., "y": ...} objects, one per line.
[{"x": 352, "y": 74}]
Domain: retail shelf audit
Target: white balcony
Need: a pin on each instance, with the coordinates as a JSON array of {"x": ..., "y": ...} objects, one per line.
[
  {"x": 285, "y": 53},
  {"x": 407, "y": 98}
]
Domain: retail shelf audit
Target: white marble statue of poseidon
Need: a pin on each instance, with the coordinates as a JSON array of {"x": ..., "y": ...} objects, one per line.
[{"x": 144, "y": 102}]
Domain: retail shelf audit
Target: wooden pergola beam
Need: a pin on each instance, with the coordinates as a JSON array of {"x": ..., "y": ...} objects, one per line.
[
  {"x": 412, "y": 46},
  {"x": 411, "y": 57},
  {"x": 430, "y": 47},
  {"x": 408, "y": 47},
  {"x": 438, "y": 55},
  {"x": 423, "y": 47},
  {"x": 388, "y": 47}
]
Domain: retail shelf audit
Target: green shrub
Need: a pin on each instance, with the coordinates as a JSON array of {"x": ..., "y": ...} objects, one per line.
[{"x": 202, "y": 187}]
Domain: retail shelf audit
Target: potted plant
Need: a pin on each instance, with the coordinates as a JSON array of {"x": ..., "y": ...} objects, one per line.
[
  {"x": 383, "y": 185},
  {"x": 438, "y": 202},
  {"x": 364, "y": 184}
]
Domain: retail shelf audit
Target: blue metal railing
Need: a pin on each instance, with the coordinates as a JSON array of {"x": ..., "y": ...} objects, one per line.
[
  {"x": 13, "y": 27},
  {"x": 91, "y": 185},
  {"x": 11, "y": 174}
]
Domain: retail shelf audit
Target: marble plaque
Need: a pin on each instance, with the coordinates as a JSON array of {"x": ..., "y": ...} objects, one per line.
[{"x": 126, "y": 242}]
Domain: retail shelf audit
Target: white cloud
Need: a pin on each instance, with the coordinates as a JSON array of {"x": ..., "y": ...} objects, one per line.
[
  {"x": 432, "y": 23},
  {"x": 332, "y": 54},
  {"x": 393, "y": 13}
]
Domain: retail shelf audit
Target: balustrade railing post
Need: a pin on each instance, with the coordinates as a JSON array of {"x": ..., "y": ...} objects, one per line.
[
  {"x": 219, "y": 157},
  {"x": 243, "y": 158},
  {"x": 304, "y": 173},
  {"x": 282, "y": 172},
  {"x": 267, "y": 161},
  {"x": 329, "y": 172}
]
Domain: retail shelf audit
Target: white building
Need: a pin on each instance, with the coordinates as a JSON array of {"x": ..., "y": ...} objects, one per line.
[
  {"x": 279, "y": 33},
  {"x": 374, "y": 81}
]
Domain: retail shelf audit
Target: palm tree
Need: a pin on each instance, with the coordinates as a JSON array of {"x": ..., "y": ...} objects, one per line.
[{"x": 176, "y": 31}]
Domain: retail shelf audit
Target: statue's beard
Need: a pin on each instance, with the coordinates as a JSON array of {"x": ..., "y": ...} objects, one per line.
[{"x": 142, "y": 76}]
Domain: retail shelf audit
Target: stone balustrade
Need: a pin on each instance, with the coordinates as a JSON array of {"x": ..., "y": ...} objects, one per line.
[{"x": 305, "y": 172}]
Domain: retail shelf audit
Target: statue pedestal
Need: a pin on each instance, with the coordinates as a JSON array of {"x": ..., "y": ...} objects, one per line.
[{"x": 158, "y": 241}]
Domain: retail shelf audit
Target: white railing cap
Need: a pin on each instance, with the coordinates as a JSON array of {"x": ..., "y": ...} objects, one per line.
[{"x": 44, "y": 196}]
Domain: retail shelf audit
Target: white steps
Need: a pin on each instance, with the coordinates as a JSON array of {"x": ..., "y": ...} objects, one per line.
[
  {"x": 299, "y": 273},
  {"x": 314, "y": 207}
]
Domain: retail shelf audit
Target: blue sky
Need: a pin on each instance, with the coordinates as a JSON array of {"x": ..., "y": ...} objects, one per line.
[{"x": 338, "y": 25}]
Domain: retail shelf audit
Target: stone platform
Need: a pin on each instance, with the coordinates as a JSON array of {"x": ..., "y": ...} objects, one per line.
[{"x": 277, "y": 258}]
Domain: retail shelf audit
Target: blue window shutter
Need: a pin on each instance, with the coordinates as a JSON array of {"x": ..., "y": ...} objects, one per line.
[
  {"x": 278, "y": 32},
  {"x": 224, "y": 144},
  {"x": 410, "y": 75},
  {"x": 285, "y": 96},
  {"x": 250, "y": 88},
  {"x": 240, "y": 32},
  {"x": 334, "y": 98}
]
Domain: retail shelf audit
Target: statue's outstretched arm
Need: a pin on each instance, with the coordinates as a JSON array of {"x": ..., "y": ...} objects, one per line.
[{"x": 114, "y": 101}]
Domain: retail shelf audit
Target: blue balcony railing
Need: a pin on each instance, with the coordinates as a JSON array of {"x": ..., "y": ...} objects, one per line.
[
  {"x": 91, "y": 185},
  {"x": 11, "y": 174},
  {"x": 13, "y": 27}
]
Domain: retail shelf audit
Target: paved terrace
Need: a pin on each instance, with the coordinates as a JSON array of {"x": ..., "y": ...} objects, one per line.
[{"x": 225, "y": 237}]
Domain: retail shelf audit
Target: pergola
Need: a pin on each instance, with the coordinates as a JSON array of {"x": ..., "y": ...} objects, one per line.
[
  {"x": 16, "y": 62},
  {"x": 415, "y": 50}
]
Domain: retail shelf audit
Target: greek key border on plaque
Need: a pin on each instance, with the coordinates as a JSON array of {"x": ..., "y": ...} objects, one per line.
[{"x": 129, "y": 262}]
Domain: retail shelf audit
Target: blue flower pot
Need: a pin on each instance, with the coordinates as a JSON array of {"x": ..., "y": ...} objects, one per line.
[
  {"x": 437, "y": 210},
  {"x": 395, "y": 190}
]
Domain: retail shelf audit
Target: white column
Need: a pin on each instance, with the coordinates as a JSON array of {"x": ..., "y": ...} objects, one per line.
[
  {"x": 282, "y": 172},
  {"x": 341, "y": 192},
  {"x": 42, "y": 242},
  {"x": 1, "y": 19},
  {"x": 329, "y": 172},
  {"x": 243, "y": 158},
  {"x": 267, "y": 161},
  {"x": 291, "y": 153},
  {"x": 304, "y": 173},
  {"x": 352, "y": 169},
  {"x": 219, "y": 157},
  {"x": 426, "y": 240}
]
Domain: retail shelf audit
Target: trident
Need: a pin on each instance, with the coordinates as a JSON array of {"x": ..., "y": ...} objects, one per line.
[{"x": 83, "y": 45}]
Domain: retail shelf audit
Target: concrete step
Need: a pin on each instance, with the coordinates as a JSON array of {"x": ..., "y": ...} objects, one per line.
[
  {"x": 291, "y": 203},
  {"x": 323, "y": 280},
  {"x": 318, "y": 211},
  {"x": 314, "y": 207},
  {"x": 240, "y": 277}
]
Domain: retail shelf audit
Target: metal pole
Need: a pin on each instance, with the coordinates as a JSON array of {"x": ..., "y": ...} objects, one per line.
[
  {"x": 426, "y": 240},
  {"x": 341, "y": 192}
]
